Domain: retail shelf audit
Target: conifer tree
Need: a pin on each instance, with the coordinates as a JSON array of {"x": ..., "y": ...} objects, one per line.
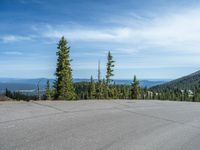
[
  {"x": 197, "y": 93},
  {"x": 64, "y": 82},
  {"x": 109, "y": 70},
  {"x": 48, "y": 91},
  {"x": 105, "y": 89},
  {"x": 135, "y": 89},
  {"x": 92, "y": 89},
  {"x": 185, "y": 95}
]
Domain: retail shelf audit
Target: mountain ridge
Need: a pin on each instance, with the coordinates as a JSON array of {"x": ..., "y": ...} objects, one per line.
[{"x": 188, "y": 82}]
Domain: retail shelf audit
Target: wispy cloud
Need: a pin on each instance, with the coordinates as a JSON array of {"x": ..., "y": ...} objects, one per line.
[
  {"x": 178, "y": 32},
  {"x": 31, "y": 1},
  {"x": 14, "y": 38},
  {"x": 12, "y": 53},
  {"x": 85, "y": 34},
  {"x": 142, "y": 35}
]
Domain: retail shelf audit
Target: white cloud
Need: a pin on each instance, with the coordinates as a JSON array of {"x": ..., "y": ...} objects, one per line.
[
  {"x": 31, "y": 1},
  {"x": 175, "y": 34},
  {"x": 13, "y": 53},
  {"x": 84, "y": 34},
  {"x": 14, "y": 38},
  {"x": 179, "y": 32}
]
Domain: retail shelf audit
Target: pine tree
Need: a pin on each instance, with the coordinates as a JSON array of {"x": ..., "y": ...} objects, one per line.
[
  {"x": 185, "y": 95},
  {"x": 92, "y": 89},
  {"x": 64, "y": 82},
  {"x": 99, "y": 90},
  {"x": 109, "y": 71},
  {"x": 48, "y": 91},
  {"x": 105, "y": 89},
  {"x": 135, "y": 89},
  {"x": 197, "y": 93}
]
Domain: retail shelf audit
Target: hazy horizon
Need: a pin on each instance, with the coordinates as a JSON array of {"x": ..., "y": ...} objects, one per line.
[{"x": 1, "y": 78}]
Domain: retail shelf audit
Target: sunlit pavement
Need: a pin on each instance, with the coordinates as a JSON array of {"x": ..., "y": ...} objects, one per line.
[{"x": 100, "y": 124}]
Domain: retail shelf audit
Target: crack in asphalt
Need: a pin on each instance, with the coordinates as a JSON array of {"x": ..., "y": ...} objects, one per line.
[
  {"x": 114, "y": 107},
  {"x": 117, "y": 106},
  {"x": 51, "y": 114},
  {"x": 155, "y": 117}
]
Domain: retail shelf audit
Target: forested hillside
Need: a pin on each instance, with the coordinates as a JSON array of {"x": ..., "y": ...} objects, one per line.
[{"x": 189, "y": 82}]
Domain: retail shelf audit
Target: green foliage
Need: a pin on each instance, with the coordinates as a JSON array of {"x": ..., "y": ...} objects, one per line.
[
  {"x": 197, "y": 96},
  {"x": 183, "y": 89},
  {"x": 109, "y": 70},
  {"x": 189, "y": 82},
  {"x": 82, "y": 90},
  {"x": 99, "y": 90},
  {"x": 92, "y": 90},
  {"x": 105, "y": 89},
  {"x": 64, "y": 83},
  {"x": 135, "y": 90},
  {"x": 19, "y": 96},
  {"x": 48, "y": 92}
]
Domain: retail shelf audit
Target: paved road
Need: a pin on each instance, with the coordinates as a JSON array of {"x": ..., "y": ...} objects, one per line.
[{"x": 99, "y": 125}]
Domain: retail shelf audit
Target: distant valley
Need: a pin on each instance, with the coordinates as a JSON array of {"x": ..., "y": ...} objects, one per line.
[{"x": 30, "y": 85}]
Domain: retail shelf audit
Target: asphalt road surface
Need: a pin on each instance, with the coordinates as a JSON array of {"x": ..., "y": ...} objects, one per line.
[{"x": 100, "y": 125}]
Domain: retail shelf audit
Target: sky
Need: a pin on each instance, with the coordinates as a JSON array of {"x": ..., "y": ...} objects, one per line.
[{"x": 153, "y": 39}]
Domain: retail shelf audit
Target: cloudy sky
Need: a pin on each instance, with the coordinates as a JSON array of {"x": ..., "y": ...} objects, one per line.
[{"x": 154, "y": 39}]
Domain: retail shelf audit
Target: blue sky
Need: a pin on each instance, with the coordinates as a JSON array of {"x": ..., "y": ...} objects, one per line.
[{"x": 154, "y": 39}]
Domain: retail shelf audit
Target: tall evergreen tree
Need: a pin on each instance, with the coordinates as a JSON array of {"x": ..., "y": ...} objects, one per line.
[
  {"x": 135, "y": 89},
  {"x": 109, "y": 70},
  {"x": 48, "y": 91},
  {"x": 64, "y": 82},
  {"x": 92, "y": 89}
]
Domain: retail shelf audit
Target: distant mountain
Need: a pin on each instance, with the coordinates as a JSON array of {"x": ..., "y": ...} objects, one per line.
[
  {"x": 143, "y": 83},
  {"x": 24, "y": 85},
  {"x": 15, "y": 84},
  {"x": 188, "y": 82}
]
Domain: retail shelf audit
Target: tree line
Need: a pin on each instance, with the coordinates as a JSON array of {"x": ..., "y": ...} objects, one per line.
[
  {"x": 65, "y": 89},
  {"x": 104, "y": 88}
]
